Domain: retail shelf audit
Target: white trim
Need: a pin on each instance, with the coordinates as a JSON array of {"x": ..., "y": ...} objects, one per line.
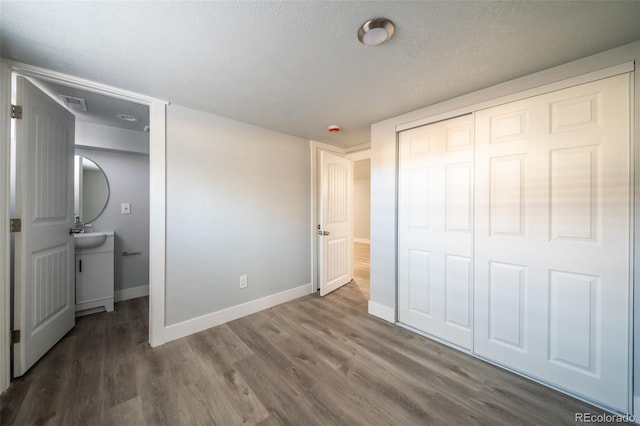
[
  {"x": 79, "y": 83},
  {"x": 384, "y": 312},
  {"x": 326, "y": 146},
  {"x": 98, "y": 305},
  {"x": 130, "y": 293},
  {"x": 5, "y": 302},
  {"x": 359, "y": 155},
  {"x": 360, "y": 147},
  {"x": 213, "y": 319},
  {"x": 362, "y": 240},
  {"x": 157, "y": 183}
]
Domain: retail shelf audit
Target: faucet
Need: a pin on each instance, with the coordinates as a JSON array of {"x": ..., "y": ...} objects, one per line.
[{"x": 79, "y": 227}]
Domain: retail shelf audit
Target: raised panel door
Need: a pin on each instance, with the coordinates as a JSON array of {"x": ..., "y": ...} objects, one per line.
[
  {"x": 552, "y": 238},
  {"x": 435, "y": 229}
]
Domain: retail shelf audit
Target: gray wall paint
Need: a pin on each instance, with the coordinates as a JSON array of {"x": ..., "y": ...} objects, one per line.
[
  {"x": 128, "y": 176},
  {"x": 238, "y": 202},
  {"x": 90, "y": 135}
]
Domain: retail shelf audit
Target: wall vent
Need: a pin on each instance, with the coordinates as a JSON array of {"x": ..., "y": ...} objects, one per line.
[{"x": 76, "y": 104}]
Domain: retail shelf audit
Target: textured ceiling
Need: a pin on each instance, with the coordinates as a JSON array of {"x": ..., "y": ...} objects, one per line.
[{"x": 296, "y": 67}]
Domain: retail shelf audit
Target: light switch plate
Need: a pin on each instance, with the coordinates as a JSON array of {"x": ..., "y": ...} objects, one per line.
[{"x": 125, "y": 208}]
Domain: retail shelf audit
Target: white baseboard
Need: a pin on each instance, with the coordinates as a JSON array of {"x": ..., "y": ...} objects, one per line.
[
  {"x": 362, "y": 240},
  {"x": 131, "y": 293},
  {"x": 381, "y": 311},
  {"x": 213, "y": 319}
]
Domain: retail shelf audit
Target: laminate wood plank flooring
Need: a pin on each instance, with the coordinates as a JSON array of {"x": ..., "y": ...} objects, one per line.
[{"x": 311, "y": 361}]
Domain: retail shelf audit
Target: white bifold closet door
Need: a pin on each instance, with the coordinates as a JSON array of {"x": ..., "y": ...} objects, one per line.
[
  {"x": 552, "y": 238},
  {"x": 435, "y": 220}
]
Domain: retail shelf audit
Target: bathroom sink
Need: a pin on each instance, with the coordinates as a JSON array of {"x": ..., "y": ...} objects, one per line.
[{"x": 89, "y": 240}]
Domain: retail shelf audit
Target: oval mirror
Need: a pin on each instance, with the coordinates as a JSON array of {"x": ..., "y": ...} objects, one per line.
[{"x": 91, "y": 189}]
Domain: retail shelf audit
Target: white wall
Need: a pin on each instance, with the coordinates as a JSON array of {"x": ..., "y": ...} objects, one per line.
[
  {"x": 383, "y": 176},
  {"x": 128, "y": 177},
  {"x": 361, "y": 201},
  {"x": 238, "y": 199}
]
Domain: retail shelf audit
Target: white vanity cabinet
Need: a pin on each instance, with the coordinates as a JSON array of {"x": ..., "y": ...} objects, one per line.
[{"x": 94, "y": 274}]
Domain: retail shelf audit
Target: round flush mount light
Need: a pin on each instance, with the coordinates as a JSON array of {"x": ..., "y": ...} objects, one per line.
[
  {"x": 376, "y": 31},
  {"x": 334, "y": 128},
  {"x": 126, "y": 117}
]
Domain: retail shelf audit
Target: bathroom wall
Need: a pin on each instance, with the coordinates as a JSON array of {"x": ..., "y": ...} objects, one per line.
[
  {"x": 111, "y": 138},
  {"x": 238, "y": 202},
  {"x": 361, "y": 200},
  {"x": 128, "y": 177}
]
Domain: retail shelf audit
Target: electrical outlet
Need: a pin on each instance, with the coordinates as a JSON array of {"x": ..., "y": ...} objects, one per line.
[
  {"x": 243, "y": 281},
  {"x": 125, "y": 208}
]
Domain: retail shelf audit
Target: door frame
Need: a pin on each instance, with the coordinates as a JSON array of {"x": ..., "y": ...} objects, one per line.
[
  {"x": 314, "y": 158},
  {"x": 157, "y": 198}
]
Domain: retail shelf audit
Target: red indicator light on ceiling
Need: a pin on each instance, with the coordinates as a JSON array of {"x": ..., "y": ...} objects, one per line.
[{"x": 334, "y": 128}]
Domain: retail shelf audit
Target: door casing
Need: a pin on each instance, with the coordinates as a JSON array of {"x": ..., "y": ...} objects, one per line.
[{"x": 157, "y": 198}]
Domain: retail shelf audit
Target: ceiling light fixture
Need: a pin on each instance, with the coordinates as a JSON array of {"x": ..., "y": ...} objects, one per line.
[
  {"x": 126, "y": 117},
  {"x": 334, "y": 128},
  {"x": 376, "y": 31}
]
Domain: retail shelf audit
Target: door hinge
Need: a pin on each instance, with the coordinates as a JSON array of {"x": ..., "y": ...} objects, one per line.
[
  {"x": 15, "y": 336},
  {"x": 15, "y": 225},
  {"x": 16, "y": 111}
]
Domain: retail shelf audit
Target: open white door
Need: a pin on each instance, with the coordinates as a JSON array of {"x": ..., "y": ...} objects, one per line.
[
  {"x": 44, "y": 298},
  {"x": 336, "y": 241}
]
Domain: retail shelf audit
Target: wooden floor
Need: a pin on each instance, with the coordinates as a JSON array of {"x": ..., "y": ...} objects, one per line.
[{"x": 311, "y": 361}]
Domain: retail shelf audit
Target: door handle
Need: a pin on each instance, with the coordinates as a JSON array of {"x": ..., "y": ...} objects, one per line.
[{"x": 323, "y": 232}]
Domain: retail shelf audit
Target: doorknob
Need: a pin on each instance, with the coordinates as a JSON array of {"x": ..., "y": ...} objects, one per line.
[{"x": 323, "y": 232}]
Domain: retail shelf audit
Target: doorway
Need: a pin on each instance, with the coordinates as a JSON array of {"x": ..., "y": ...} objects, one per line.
[
  {"x": 361, "y": 223},
  {"x": 110, "y": 191},
  {"x": 157, "y": 199},
  {"x": 357, "y": 254}
]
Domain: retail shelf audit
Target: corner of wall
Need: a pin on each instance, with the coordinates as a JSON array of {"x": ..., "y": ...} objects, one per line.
[
  {"x": 383, "y": 213},
  {"x": 381, "y": 311}
]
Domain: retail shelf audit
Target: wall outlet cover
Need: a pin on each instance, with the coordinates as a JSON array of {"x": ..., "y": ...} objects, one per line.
[
  {"x": 243, "y": 281},
  {"x": 125, "y": 208}
]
